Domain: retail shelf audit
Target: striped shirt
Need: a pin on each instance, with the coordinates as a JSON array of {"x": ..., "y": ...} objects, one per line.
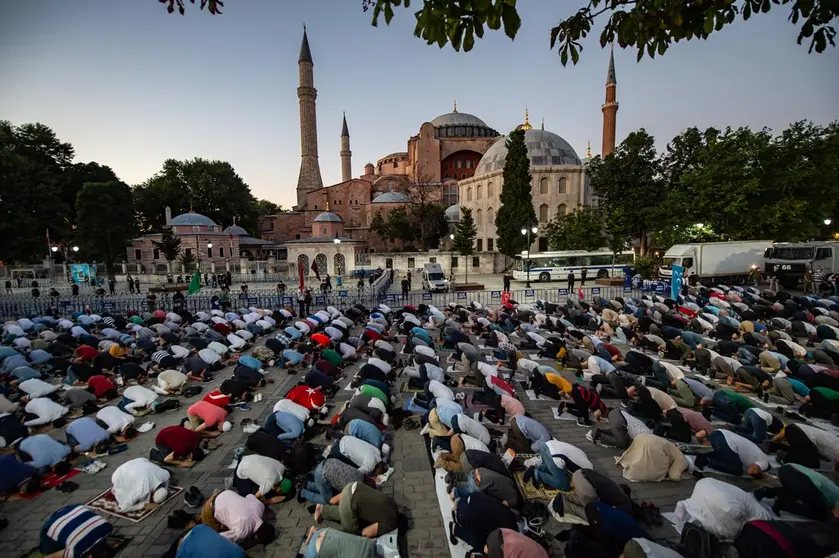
[
  {"x": 158, "y": 356},
  {"x": 76, "y": 529}
]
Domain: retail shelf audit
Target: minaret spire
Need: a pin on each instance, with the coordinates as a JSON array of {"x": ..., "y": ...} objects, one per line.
[
  {"x": 610, "y": 108},
  {"x": 309, "y": 178},
  {"x": 346, "y": 154},
  {"x": 455, "y": 106}
]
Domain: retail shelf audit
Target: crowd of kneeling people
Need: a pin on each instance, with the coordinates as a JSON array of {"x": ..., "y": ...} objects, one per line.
[
  {"x": 690, "y": 393},
  {"x": 692, "y": 377}
]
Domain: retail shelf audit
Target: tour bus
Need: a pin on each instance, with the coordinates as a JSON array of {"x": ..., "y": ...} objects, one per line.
[{"x": 555, "y": 266}]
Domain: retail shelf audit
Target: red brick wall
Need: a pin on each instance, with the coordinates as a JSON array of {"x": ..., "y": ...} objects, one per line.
[{"x": 468, "y": 161}]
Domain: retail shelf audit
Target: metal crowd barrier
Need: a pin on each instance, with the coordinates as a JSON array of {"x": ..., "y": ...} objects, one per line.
[{"x": 17, "y": 306}]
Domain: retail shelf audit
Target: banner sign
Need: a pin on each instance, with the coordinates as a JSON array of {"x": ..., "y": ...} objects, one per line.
[{"x": 676, "y": 281}]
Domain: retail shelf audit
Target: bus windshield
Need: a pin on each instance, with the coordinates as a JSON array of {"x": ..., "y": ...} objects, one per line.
[
  {"x": 436, "y": 276},
  {"x": 792, "y": 252}
]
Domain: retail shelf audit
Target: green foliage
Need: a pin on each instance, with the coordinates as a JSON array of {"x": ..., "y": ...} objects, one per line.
[
  {"x": 400, "y": 226},
  {"x": 211, "y": 188},
  {"x": 379, "y": 227},
  {"x": 629, "y": 186},
  {"x": 213, "y": 6},
  {"x": 169, "y": 245},
  {"x": 579, "y": 230},
  {"x": 464, "y": 235},
  {"x": 187, "y": 260},
  {"x": 516, "y": 211},
  {"x": 76, "y": 176},
  {"x": 33, "y": 167},
  {"x": 265, "y": 207},
  {"x": 645, "y": 267},
  {"x": 106, "y": 220}
]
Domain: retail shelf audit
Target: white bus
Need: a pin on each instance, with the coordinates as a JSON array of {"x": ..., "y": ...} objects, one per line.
[{"x": 555, "y": 266}]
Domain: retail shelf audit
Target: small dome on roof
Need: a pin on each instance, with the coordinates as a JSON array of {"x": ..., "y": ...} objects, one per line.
[
  {"x": 391, "y": 197},
  {"x": 236, "y": 230},
  {"x": 453, "y": 213},
  {"x": 192, "y": 219},
  {"x": 328, "y": 217}
]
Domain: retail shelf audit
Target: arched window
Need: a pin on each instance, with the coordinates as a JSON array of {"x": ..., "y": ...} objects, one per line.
[
  {"x": 479, "y": 192},
  {"x": 479, "y": 218},
  {"x": 491, "y": 217},
  {"x": 340, "y": 264},
  {"x": 561, "y": 187},
  {"x": 321, "y": 262},
  {"x": 469, "y": 194},
  {"x": 323, "y": 231},
  {"x": 543, "y": 213},
  {"x": 562, "y": 209},
  {"x": 490, "y": 191},
  {"x": 303, "y": 262},
  {"x": 543, "y": 185}
]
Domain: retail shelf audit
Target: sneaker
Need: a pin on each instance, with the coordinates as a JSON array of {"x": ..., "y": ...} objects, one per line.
[
  {"x": 193, "y": 498},
  {"x": 528, "y": 474},
  {"x": 583, "y": 421},
  {"x": 590, "y": 436},
  {"x": 257, "y": 398}
]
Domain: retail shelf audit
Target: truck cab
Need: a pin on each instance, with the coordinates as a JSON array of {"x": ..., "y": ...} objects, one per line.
[
  {"x": 788, "y": 261},
  {"x": 433, "y": 278},
  {"x": 679, "y": 254}
]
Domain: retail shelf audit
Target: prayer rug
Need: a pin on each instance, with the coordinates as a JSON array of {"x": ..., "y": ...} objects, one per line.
[
  {"x": 116, "y": 542},
  {"x": 106, "y": 503},
  {"x": 48, "y": 482},
  {"x": 529, "y": 492},
  {"x": 406, "y": 388}
]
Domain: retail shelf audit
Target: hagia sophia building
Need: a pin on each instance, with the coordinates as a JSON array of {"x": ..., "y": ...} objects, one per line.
[{"x": 456, "y": 155}]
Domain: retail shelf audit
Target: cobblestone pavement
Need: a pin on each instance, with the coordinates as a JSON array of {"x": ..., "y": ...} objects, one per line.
[{"x": 410, "y": 485}]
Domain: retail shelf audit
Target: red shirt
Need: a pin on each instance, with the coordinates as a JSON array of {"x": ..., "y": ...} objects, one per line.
[
  {"x": 217, "y": 398},
  {"x": 101, "y": 385},
  {"x": 209, "y": 413},
  {"x": 224, "y": 329},
  {"x": 614, "y": 351},
  {"x": 307, "y": 397},
  {"x": 87, "y": 352},
  {"x": 498, "y": 382},
  {"x": 321, "y": 339},
  {"x": 181, "y": 441},
  {"x": 326, "y": 367}
]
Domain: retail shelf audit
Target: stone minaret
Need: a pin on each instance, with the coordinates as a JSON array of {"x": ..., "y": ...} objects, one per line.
[
  {"x": 346, "y": 154},
  {"x": 309, "y": 178},
  {"x": 610, "y": 108}
]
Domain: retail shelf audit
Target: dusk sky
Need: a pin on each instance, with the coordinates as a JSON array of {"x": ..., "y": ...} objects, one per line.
[{"x": 130, "y": 85}]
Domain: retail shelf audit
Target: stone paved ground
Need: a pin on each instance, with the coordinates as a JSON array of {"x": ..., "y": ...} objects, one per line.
[{"x": 411, "y": 485}]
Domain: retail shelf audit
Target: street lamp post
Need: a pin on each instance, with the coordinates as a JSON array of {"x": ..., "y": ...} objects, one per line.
[
  {"x": 451, "y": 258},
  {"x": 210, "y": 257},
  {"x": 65, "y": 250},
  {"x": 828, "y": 221},
  {"x": 527, "y": 232}
]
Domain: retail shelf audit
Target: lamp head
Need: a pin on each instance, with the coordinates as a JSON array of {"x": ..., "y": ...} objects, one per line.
[
  {"x": 524, "y": 231},
  {"x": 54, "y": 248}
]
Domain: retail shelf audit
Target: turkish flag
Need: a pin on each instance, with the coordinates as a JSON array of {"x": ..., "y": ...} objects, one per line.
[{"x": 312, "y": 399}]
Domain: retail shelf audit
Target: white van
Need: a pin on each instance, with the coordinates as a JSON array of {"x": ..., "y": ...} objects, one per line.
[{"x": 433, "y": 278}]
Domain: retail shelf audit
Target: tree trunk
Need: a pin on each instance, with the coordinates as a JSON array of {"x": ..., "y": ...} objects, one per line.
[{"x": 466, "y": 263}]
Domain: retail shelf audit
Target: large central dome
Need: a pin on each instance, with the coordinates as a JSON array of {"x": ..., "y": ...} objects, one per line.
[
  {"x": 458, "y": 119},
  {"x": 543, "y": 149}
]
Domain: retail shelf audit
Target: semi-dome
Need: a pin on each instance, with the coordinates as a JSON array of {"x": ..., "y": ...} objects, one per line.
[
  {"x": 328, "y": 217},
  {"x": 543, "y": 149},
  {"x": 192, "y": 220},
  {"x": 236, "y": 230},
  {"x": 391, "y": 197},
  {"x": 452, "y": 214}
]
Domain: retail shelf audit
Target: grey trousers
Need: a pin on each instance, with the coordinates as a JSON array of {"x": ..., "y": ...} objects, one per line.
[
  {"x": 575, "y": 502},
  {"x": 617, "y": 435},
  {"x": 781, "y": 392}
]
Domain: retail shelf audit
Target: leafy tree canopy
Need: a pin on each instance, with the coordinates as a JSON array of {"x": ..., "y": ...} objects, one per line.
[
  {"x": 516, "y": 211},
  {"x": 265, "y": 207},
  {"x": 464, "y": 236},
  {"x": 649, "y": 27},
  {"x": 579, "y": 230},
  {"x": 106, "y": 220}
]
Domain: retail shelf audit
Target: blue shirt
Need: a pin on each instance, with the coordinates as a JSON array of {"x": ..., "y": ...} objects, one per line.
[
  {"x": 45, "y": 451},
  {"x": 422, "y": 334},
  {"x": 24, "y": 373},
  {"x": 783, "y": 359},
  {"x": 293, "y": 333},
  {"x": 14, "y": 361},
  {"x": 6, "y": 352},
  {"x": 691, "y": 339},
  {"x": 203, "y": 542},
  {"x": 13, "y": 472},
  {"x": 291, "y": 425},
  {"x": 605, "y": 366},
  {"x": 698, "y": 388},
  {"x": 445, "y": 414},
  {"x": 798, "y": 387},
  {"x": 39, "y": 356},
  {"x": 363, "y": 430},
  {"x": 87, "y": 433},
  {"x": 533, "y": 431},
  {"x": 250, "y": 362},
  {"x": 292, "y": 356}
]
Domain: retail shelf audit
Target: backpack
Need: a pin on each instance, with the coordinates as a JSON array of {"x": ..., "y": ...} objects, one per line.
[{"x": 696, "y": 542}]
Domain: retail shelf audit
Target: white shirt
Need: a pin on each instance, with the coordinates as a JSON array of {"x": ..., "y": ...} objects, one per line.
[
  {"x": 721, "y": 508},
  {"x": 365, "y": 456},
  {"x": 171, "y": 379},
  {"x": 135, "y": 481},
  {"x": 333, "y": 332},
  {"x": 765, "y": 415},
  {"x": 573, "y": 453},
  {"x": 140, "y": 397},
  {"x": 526, "y": 365},
  {"x": 37, "y": 388},
  {"x": 46, "y": 409},
  {"x": 471, "y": 443},
  {"x": 474, "y": 429},
  {"x": 487, "y": 369},
  {"x": 380, "y": 364},
  {"x": 179, "y": 352},
  {"x": 235, "y": 341},
  {"x": 263, "y": 471},
  {"x": 243, "y": 334},
  {"x": 217, "y": 348},
  {"x": 439, "y": 390},
  {"x": 673, "y": 371},
  {"x": 292, "y": 408},
  {"x": 825, "y": 442},
  {"x": 114, "y": 418},
  {"x": 663, "y": 399},
  {"x": 423, "y": 350},
  {"x": 209, "y": 356},
  {"x": 347, "y": 350},
  {"x": 746, "y": 450}
]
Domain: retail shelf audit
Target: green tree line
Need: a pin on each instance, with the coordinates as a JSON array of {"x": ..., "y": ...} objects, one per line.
[{"x": 42, "y": 188}]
